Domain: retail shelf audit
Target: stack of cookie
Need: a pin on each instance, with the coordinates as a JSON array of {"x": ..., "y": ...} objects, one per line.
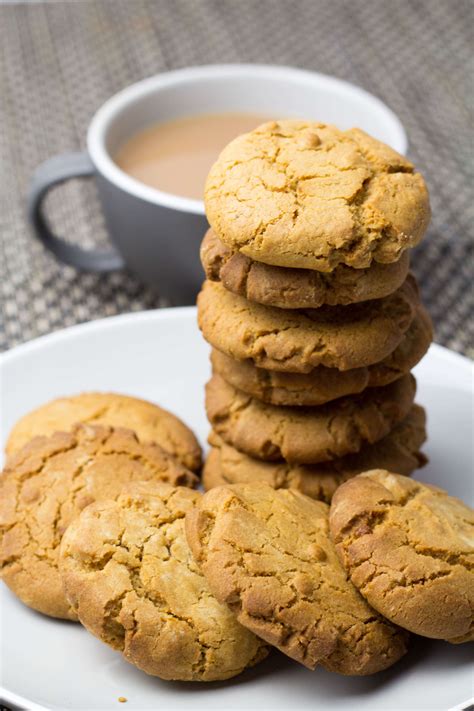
[{"x": 313, "y": 316}]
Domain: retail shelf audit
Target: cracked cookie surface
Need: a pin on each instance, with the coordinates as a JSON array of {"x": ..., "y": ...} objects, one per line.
[
  {"x": 268, "y": 555},
  {"x": 409, "y": 548},
  {"x": 307, "y": 195},
  {"x": 399, "y": 451},
  {"x": 306, "y": 435},
  {"x": 46, "y": 485},
  {"x": 323, "y": 384},
  {"x": 288, "y": 288},
  {"x": 150, "y": 422},
  {"x": 130, "y": 576},
  {"x": 342, "y": 337}
]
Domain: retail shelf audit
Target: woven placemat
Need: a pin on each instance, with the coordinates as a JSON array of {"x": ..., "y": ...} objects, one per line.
[{"x": 60, "y": 61}]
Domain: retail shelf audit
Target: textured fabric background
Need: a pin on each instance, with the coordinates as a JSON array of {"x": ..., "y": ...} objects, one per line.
[{"x": 60, "y": 61}]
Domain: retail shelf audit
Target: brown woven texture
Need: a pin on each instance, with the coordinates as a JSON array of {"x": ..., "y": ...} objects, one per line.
[{"x": 60, "y": 61}]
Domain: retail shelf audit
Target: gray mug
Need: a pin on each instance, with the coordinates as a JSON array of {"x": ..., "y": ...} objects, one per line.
[{"x": 156, "y": 234}]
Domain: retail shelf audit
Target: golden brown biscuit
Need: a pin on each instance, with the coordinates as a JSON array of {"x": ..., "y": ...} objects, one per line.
[
  {"x": 289, "y": 288},
  {"x": 130, "y": 577},
  {"x": 306, "y": 435},
  {"x": 323, "y": 384},
  {"x": 45, "y": 486},
  {"x": 150, "y": 423},
  {"x": 408, "y": 353},
  {"x": 342, "y": 337},
  {"x": 409, "y": 548},
  {"x": 398, "y": 451},
  {"x": 269, "y": 556},
  {"x": 307, "y": 195}
]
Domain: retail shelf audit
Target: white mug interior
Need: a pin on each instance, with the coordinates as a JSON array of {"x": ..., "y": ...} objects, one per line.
[{"x": 279, "y": 92}]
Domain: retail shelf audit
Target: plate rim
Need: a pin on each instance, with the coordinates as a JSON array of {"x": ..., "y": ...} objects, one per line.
[
  {"x": 27, "y": 705},
  {"x": 22, "y": 702},
  {"x": 97, "y": 324}
]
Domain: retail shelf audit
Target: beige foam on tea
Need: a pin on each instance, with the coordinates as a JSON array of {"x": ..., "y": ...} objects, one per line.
[{"x": 176, "y": 156}]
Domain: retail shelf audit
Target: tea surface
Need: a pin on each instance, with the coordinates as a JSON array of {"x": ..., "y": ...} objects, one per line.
[{"x": 175, "y": 156}]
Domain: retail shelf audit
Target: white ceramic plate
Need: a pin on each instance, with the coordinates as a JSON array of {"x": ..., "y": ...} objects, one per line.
[{"x": 160, "y": 355}]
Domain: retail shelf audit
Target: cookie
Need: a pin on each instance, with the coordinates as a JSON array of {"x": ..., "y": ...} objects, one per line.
[
  {"x": 289, "y": 288},
  {"x": 409, "y": 548},
  {"x": 323, "y": 384},
  {"x": 399, "y": 451},
  {"x": 268, "y": 555},
  {"x": 129, "y": 575},
  {"x": 411, "y": 349},
  {"x": 307, "y": 195},
  {"x": 342, "y": 337},
  {"x": 150, "y": 422},
  {"x": 45, "y": 486},
  {"x": 306, "y": 435}
]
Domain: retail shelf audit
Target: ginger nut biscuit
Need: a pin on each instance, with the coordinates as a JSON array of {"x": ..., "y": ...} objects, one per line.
[
  {"x": 150, "y": 422},
  {"x": 409, "y": 548},
  {"x": 307, "y": 195},
  {"x": 131, "y": 579},
  {"x": 288, "y": 288},
  {"x": 297, "y": 341}
]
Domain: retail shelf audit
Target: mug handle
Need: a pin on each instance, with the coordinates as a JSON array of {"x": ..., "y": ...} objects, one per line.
[{"x": 57, "y": 170}]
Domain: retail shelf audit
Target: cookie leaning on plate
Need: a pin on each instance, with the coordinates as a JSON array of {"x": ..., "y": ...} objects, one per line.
[
  {"x": 268, "y": 555},
  {"x": 289, "y": 288},
  {"x": 297, "y": 341},
  {"x": 398, "y": 451},
  {"x": 150, "y": 422},
  {"x": 130, "y": 577},
  {"x": 46, "y": 485},
  {"x": 409, "y": 548},
  {"x": 306, "y": 435},
  {"x": 323, "y": 384},
  {"x": 302, "y": 194}
]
